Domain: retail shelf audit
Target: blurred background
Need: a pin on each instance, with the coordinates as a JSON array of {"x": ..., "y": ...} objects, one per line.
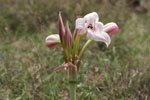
[{"x": 120, "y": 72}]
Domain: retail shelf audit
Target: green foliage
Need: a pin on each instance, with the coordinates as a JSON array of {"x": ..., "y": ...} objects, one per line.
[{"x": 119, "y": 72}]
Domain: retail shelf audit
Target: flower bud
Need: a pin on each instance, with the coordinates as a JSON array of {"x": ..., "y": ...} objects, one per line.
[
  {"x": 68, "y": 36},
  {"x": 111, "y": 28},
  {"x": 61, "y": 27},
  {"x": 52, "y": 41}
]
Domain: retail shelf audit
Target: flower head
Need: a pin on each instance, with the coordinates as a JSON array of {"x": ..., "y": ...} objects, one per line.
[{"x": 90, "y": 26}]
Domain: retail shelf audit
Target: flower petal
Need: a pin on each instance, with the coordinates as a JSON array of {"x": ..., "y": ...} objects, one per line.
[
  {"x": 80, "y": 26},
  {"x": 91, "y": 18},
  {"x": 99, "y": 36},
  {"x": 80, "y": 23},
  {"x": 90, "y": 35},
  {"x": 111, "y": 28},
  {"x": 103, "y": 37},
  {"x": 98, "y": 26}
]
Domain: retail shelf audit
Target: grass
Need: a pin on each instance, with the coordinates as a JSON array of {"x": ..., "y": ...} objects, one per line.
[{"x": 120, "y": 72}]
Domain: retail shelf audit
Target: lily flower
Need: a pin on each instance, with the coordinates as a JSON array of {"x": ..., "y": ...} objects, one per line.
[
  {"x": 90, "y": 26},
  {"x": 52, "y": 41}
]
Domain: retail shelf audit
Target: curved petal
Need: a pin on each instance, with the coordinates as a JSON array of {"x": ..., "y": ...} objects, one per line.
[
  {"x": 111, "y": 28},
  {"x": 91, "y": 18},
  {"x": 99, "y": 36},
  {"x": 103, "y": 37}
]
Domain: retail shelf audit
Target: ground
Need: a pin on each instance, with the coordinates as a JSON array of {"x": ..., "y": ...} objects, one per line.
[{"x": 119, "y": 72}]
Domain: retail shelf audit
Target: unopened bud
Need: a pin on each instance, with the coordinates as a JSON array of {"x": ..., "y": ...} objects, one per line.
[
  {"x": 111, "y": 28},
  {"x": 53, "y": 41}
]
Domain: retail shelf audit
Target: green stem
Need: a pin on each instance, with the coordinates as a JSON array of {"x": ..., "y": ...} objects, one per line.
[
  {"x": 75, "y": 47},
  {"x": 84, "y": 48},
  {"x": 72, "y": 90}
]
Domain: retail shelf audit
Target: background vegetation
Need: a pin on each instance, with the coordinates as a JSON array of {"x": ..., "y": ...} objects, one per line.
[{"x": 120, "y": 72}]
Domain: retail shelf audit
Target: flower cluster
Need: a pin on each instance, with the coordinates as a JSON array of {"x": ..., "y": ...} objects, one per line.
[{"x": 88, "y": 26}]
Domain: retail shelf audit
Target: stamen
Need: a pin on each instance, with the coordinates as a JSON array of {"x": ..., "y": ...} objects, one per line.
[{"x": 90, "y": 26}]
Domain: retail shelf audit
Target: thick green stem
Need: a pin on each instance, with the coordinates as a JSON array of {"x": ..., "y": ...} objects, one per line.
[
  {"x": 72, "y": 90},
  {"x": 84, "y": 48},
  {"x": 72, "y": 69}
]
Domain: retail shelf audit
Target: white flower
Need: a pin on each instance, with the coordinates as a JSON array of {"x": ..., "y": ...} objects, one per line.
[{"x": 92, "y": 28}]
